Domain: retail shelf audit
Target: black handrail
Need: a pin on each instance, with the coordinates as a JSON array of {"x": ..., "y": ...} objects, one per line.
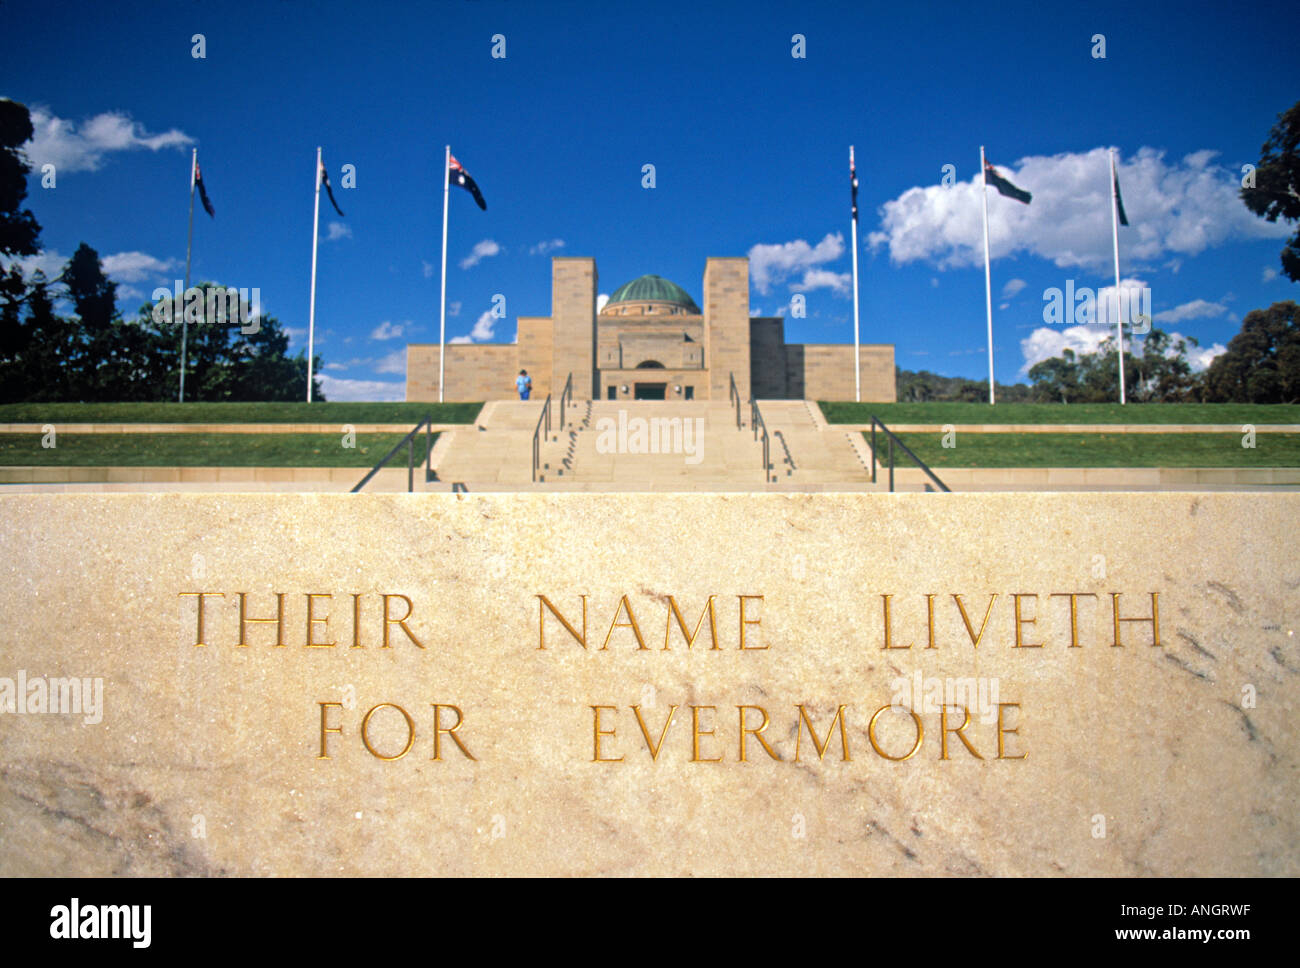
[
  {"x": 537, "y": 445},
  {"x": 409, "y": 442},
  {"x": 907, "y": 450},
  {"x": 734, "y": 395},
  {"x": 756, "y": 421},
  {"x": 566, "y": 396}
]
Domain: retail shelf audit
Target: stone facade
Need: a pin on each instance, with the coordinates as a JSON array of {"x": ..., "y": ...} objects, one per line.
[{"x": 652, "y": 347}]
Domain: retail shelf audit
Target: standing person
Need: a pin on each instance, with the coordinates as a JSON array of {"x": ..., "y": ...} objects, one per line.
[{"x": 524, "y": 384}]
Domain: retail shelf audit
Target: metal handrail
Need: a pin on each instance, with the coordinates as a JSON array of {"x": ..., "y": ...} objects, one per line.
[
  {"x": 734, "y": 395},
  {"x": 907, "y": 450},
  {"x": 409, "y": 442},
  {"x": 537, "y": 433},
  {"x": 756, "y": 421},
  {"x": 566, "y": 397}
]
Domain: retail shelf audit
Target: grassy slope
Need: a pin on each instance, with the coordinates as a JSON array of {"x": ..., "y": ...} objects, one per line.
[
  {"x": 316, "y": 413},
  {"x": 1058, "y": 413},
  {"x": 1099, "y": 450},
  {"x": 204, "y": 450}
]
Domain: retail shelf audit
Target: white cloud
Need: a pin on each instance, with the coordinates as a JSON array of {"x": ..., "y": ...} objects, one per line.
[
  {"x": 773, "y": 264},
  {"x": 72, "y": 147},
  {"x": 137, "y": 266},
  {"x": 460, "y": 339},
  {"x": 482, "y": 250},
  {"x": 601, "y": 299},
  {"x": 1049, "y": 341},
  {"x": 541, "y": 248},
  {"x": 388, "y": 330},
  {"x": 1012, "y": 287},
  {"x": 453, "y": 309},
  {"x": 394, "y": 362},
  {"x": 121, "y": 267},
  {"x": 483, "y": 327},
  {"x": 1201, "y": 357},
  {"x": 1175, "y": 208},
  {"x": 1269, "y": 274},
  {"x": 337, "y": 230},
  {"x": 427, "y": 269},
  {"x": 823, "y": 279},
  {"x": 339, "y": 389},
  {"x": 1196, "y": 309},
  {"x": 335, "y": 366}
]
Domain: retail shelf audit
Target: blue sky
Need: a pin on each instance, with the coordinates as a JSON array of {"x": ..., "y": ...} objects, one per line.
[{"x": 748, "y": 142}]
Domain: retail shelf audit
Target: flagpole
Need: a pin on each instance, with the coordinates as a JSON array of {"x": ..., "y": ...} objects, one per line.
[
  {"x": 189, "y": 246},
  {"x": 442, "y": 304},
  {"x": 1119, "y": 302},
  {"x": 857, "y": 353},
  {"x": 311, "y": 318},
  {"x": 988, "y": 286}
]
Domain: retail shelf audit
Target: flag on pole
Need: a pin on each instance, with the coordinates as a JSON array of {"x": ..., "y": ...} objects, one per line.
[
  {"x": 457, "y": 174},
  {"x": 1003, "y": 186},
  {"x": 1119, "y": 202},
  {"x": 853, "y": 184},
  {"x": 203, "y": 192},
  {"x": 325, "y": 179}
]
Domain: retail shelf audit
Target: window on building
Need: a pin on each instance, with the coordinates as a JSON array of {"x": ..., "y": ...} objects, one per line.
[{"x": 690, "y": 392}]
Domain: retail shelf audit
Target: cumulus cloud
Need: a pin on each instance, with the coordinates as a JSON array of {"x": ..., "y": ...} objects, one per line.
[
  {"x": 1196, "y": 309},
  {"x": 387, "y": 330},
  {"x": 453, "y": 309},
  {"x": 541, "y": 248},
  {"x": 386, "y": 391},
  {"x": 137, "y": 266},
  {"x": 1050, "y": 341},
  {"x": 337, "y": 230},
  {"x": 482, "y": 250},
  {"x": 771, "y": 265},
  {"x": 121, "y": 267},
  {"x": 481, "y": 332},
  {"x": 601, "y": 299},
  {"x": 70, "y": 146},
  {"x": 1269, "y": 274},
  {"x": 1012, "y": 287},
  {"x": 427, "y": 269},
  {"x": 838, "y": 282},
  {"x": 1175, "y": 208}
]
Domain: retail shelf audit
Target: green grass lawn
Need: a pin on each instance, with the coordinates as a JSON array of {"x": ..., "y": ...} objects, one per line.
[
  {"x": 204, "y": 450},
  {"x": 317, "y": 413},
  {"x": 1097, "y": 450},
  {"x": 1060, "y": 413}
]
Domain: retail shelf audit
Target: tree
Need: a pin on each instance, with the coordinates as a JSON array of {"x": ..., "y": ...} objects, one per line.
[
  {"x": 19, "y": 233},
  {"x": 1276, "y": 193},
  {"x": 1262, "y": 364}
]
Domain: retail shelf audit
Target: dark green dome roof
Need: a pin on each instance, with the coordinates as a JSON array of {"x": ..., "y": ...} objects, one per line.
[{"x": 653, "y": 289}]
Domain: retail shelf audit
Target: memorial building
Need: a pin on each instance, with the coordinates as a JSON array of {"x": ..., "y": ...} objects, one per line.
[{"x": 652, "y": 341}]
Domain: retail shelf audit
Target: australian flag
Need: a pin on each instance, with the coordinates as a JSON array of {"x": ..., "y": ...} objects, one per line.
[
  {"x": 1003, "y": 186},
  {"x": 1119, "y": 202},
  {"x": 203, "y": 192},
  {"x": 325, "y": 179},
  {"x": 853, "y": 184},
  {"x": 457, "y": 175}
]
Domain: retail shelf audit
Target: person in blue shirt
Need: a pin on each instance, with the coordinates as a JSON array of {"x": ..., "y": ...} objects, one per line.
[{"x": 524, "y": 384}]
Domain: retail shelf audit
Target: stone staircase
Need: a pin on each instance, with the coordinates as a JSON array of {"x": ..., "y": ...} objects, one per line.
[{"x": 653, "y": 445}]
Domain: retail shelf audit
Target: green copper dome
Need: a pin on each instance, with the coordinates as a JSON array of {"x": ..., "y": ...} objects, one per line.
[{"x": 654, "y": 289}]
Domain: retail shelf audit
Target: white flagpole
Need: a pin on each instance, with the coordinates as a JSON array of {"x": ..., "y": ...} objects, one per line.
[
  {"x": 311, "y": 318},
  {"x": 189, "y": 245},
  {"x": 988, "y": 287},
  {"x": 442, "y": 305},
  {"x": 857, "y": 353},
  {"x": 1119, "y": 302}
]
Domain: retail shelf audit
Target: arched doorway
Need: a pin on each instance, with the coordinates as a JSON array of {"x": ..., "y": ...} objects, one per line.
[{"x": 650, "y": 391}]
